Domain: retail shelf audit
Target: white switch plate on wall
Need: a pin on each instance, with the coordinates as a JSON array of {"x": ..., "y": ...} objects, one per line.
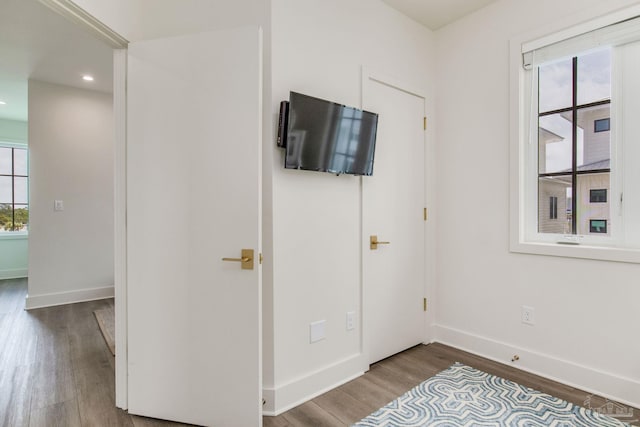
[
  {"x": 58, "y": 205},
  {"x": 317, "y": 331}
]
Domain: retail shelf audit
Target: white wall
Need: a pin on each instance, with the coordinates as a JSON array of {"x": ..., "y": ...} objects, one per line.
[
  {"x": 13, "y": 249},
  {"x": 319, "y": 48},
  {"x": 138, "y": 20},
  {"x": 13, "y": 257},
  {"x": 586, "y": 312},
  {"x": 71, "y": 159},
  {"x": 13, "y": 131}
]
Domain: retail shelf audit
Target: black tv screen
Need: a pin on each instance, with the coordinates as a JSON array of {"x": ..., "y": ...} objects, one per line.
[{"x": 328, "y": 137}]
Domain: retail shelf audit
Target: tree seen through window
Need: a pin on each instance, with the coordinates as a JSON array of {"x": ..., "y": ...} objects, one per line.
[{"x": 14, "y": 199}]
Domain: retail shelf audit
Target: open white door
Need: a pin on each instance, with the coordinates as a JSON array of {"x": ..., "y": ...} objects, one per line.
[
  {"x": 392, "y": 209},
  {"x": 193, "y": 197}
]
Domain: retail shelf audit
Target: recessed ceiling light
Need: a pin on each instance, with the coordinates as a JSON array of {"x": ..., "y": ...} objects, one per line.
[
  {"x": 87, "y": 78},
  {"x": 3, "y": 103}
]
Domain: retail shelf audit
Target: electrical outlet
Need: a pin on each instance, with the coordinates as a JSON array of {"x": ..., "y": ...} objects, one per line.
[
  {"x": 351, "y": 320},
  {"x": 528, "y": 315}
]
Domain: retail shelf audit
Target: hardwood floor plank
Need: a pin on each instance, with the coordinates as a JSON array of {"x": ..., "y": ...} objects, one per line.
[
  {"x": 403, "y": 365},
  {"x": 343, "y": 406},
  {"x": 280, "y": 421},
  {"x": 6, "y": 322},
  {"x": 368, "y": 392},
  {"x": 422, "y": 354},
  {"x": 96, "y": 398},
  {"x": 152, "y": 422},
  {"x": 418, "y": 368},
  {"x": 390, "y": 380},
  {"x": 12, "y": 295},
  {"x": 53, "y": 380},
  {"x": 95, "y": 388},
  {"x": 53, "y": 383},
  {"x": 19, "y": 346},
  {"x": 310, "y": 414},
  {"x": 15, "y": 396},
  {"x": 86, "y": 344},
  {"x": 62, "y": 414}
]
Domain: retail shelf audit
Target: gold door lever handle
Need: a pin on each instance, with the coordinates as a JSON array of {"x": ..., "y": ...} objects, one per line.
[
  {"x": 246, "y": 258},
  {"x": 373, "y": 242}
]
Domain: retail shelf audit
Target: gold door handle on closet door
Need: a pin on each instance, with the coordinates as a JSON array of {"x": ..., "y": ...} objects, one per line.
[
  {"x": 246, "y": 259},
  {"x": 373, "y": 243},
  {"x": 237, "y": 259}
]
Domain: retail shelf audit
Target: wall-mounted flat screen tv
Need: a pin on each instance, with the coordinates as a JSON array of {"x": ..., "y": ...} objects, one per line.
[{"x": 328, "y": 137}]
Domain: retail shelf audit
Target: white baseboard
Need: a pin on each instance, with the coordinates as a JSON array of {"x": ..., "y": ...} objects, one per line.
[
  {"x": 284, "y": 397},
  {"x": 14, "y": 274},
  {"x": 591, "y": 380},
  {"x": 70, "y": 297}
]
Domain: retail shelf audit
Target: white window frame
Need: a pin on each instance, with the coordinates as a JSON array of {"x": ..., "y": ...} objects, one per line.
[
  {"x": 524, "y": 237},
  {"x": 9, "y": 235}
]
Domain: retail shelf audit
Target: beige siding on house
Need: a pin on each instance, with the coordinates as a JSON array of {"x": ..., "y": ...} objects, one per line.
[
  {"x": 588, "y": 211},
  {"x": 547, "y": 188},
  {"x": 596, "y": 144}
]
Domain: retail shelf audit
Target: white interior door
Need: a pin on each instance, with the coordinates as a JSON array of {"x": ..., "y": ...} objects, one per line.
[
  {"x": 193, "y": 197},
  {"x": 393, "y": 210}
]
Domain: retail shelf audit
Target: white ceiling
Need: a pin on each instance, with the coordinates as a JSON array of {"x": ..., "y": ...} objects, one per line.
[
  {"x": 436, "y": 14},
  {"x": 37, "y": 43}
]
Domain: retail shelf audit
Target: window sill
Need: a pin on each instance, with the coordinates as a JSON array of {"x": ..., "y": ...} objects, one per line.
[
  {"x": 13, "y": 236},
  {"x": 600, "y": 253}
]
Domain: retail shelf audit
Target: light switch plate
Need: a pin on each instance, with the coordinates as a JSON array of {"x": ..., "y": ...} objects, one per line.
[
  {"x": 58, "y": 205},
  {"x": 316, "y": 331}
]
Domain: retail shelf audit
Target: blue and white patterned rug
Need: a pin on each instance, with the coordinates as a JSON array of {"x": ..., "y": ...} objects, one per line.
[{"x": 463, "y": 396}]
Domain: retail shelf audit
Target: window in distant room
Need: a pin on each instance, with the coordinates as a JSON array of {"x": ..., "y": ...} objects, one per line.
[{"x": 14, "y": 189}]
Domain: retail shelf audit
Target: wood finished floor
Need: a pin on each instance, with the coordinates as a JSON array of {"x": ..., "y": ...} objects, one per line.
[
  {"x": 55, "y": 367},
  {"x": 56, "y": 370}
]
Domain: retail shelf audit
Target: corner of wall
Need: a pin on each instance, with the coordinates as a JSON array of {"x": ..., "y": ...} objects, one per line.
[
  {"x": 14, "y": 273},
  {"x": 293, "y": 393},
  {"x": 623, "y": 390},
  {"x": 70, "y": 297}
]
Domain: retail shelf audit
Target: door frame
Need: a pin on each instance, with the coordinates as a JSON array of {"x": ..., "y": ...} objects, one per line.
[
  {"x": 120, "y": 225},
  {"x": 369, "y": 76},
  {"x": 81, "y": 18}
]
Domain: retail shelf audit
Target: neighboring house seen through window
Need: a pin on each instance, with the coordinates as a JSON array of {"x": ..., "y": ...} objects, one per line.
[
  {"x": 573, "y": 93},
  {"x": 576, "y": 178}
]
